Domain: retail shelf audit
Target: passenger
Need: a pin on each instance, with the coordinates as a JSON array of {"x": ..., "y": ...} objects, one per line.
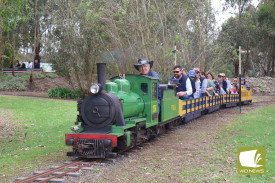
[
  {"x": 245, "y": 84},
  {"x": 211, "y": 86},
  {"x": 192, "y": 84},
  {"x": 23, "y": 65},
  {"x": 36, "y": 64},
  {"x": 184, "y": 89},
  {"x": 203, "y": 75},
  {"x": 233, "y": 90},
  {"x": 192, "y": 76},
  {"x": 203, "y": 82},
  {"x": 11, "y": 66},
  {"x": 235, "y": 84},
  {"x": 29, "y": 65},
  {"x": 144, "y": 67},
  {"x": 17, "y": 64},
  {"x": 229, "y": 86},
  {"x": 222, "y": 83}
]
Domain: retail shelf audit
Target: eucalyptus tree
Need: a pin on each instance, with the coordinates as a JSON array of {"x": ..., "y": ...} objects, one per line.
[
  {"x": 11, "y": 12},
  {"x": 266, "y": 19},
  {"x": 75, "y": 39},
  {"x": 239, "y": 31}
]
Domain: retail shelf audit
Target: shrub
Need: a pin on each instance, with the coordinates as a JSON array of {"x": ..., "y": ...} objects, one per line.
[
  {"x": 51, "y": 75},
  {"x": 64, "y": 93},
  {"x": 38, "y": 75},
  {"x": 5, "y": 76},
  {"x": 13, "y": 83}
]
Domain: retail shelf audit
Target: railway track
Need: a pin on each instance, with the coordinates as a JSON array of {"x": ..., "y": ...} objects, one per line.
[{"x": 54, "y": 174}]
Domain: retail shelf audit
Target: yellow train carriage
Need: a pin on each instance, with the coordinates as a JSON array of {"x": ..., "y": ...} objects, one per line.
[{"x": 246, "y": 95}]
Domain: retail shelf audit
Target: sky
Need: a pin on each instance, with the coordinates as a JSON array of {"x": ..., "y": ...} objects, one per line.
[{"x": 221, "y": 16}]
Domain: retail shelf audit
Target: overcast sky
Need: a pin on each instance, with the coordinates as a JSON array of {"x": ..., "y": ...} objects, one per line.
[{"x": 221, "y": 16}]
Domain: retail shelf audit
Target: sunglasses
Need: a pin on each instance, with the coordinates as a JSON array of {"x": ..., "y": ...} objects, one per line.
[
  {"x": 176, "y": 71},
  {"x": 219, "y": 76},
  {"x": 197, "y": 72}
]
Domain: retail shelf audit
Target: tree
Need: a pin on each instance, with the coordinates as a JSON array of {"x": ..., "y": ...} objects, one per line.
[
  {"x": 239, "y": 31},
  {"x": 11, "y": 12},
  {"x": 266, "y": 19}
]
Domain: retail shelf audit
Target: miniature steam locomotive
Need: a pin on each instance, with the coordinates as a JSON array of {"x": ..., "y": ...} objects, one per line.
[{"x": 124, "y": 112}]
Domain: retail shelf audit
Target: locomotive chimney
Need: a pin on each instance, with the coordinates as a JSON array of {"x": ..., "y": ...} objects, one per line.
[{"x": 101, "y": 74}]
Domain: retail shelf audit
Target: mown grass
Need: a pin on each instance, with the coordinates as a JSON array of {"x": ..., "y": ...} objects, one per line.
[
  {"x": 255, "y": 128},
  {"x": 218, "y": 163},
  {"x": 41, "y": 127}
]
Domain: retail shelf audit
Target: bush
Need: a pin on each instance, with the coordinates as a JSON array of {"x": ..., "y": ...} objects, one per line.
[
  {"x": 13, "y": 83},
  {"x": 51, "y": 75},
  {"x": 38, "y": 75},
  {"x": 5, "y": 76},
  {"x": 64, "y": 93}
]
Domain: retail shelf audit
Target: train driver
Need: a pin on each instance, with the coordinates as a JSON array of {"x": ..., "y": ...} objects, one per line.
[{"x": 144, "y": 67}]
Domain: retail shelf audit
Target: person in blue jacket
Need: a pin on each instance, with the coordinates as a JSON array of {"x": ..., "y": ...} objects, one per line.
[
  {"x": 245, "y": 84},
  {"x": 36, "y": 64}
]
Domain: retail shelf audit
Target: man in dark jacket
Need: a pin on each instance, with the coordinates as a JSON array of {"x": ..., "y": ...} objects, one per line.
[
  {"x": 23, "y": 65},
  {"x": 184, "y": 88},
  {"x": 36, "y": 64}
]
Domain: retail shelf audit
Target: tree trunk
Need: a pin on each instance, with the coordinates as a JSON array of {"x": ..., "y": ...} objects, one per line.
[
  {"x": 236, "y": 69},
  {"x": 13, "y": 40},
  {"x": 272, "y": 67},
  {"x": 268, "y": 66},
  {"x": 36, "y": 47},
  {"x": 272, "y": 62},
  {"x": 1, "y": 44}
]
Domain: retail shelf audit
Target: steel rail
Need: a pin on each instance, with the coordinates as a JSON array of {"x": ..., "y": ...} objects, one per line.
[
  {"x": 32, "y": 178},
  {"x": 72, "y": 170}
]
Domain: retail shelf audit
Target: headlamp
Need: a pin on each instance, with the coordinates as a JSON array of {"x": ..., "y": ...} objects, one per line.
[{"x": 95, "y": 88}]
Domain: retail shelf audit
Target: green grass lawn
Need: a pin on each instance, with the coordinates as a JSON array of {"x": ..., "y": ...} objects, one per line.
[
  {"x": 254, "y": 129},
  {"x": 41, "y": 125}
]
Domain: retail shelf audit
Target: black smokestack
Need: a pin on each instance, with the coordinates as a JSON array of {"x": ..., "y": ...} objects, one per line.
[{"x": 101, "y": 74}]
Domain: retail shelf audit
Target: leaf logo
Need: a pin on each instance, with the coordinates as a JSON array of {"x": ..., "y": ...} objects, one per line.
[{"x": 250, "y": 159}]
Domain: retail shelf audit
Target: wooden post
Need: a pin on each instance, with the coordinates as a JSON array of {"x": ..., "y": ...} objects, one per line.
[
  {"x": 175, "y": 54},
  {"x": 35, "y": 40},
  {"x": 240, "y": 80},
  {"x": 13, "y": 48}
]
